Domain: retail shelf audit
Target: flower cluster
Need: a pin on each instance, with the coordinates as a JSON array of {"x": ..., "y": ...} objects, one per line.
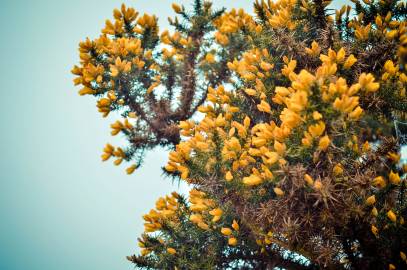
[
  {"x": 138, "y": 72},
  {"x": 295, "y": 162},
  {"x": 298, "y": 135}
]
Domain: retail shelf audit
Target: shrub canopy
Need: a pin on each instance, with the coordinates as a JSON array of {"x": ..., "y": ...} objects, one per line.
[{"x": 286, "y": 123}]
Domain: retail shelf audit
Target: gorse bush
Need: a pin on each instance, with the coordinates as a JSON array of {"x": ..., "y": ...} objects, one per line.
[{"x": 295, "y": 162}]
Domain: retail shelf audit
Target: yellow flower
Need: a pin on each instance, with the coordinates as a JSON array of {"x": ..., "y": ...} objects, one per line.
[
  {"x": 264, "y": 107},
  {"x": 307, "y": 140},
  {"x": 221, "y": 39},
  {"x": 249, "y": 76},
  {"x": 308, "y": 179},
  {"x": 216, "y": 212},
  {"x": 117, "y": 127},
  {"x": 346, "y": 104},
  {"x": 279, "y": 147},
  {"x": 120, "y": 66},
  {"x": 390, "y": 67},
  {"x": 349, "y": 61},
  {"x": 229, "y": 176},
  {"x": 184, "y": 172},
  {"x": 105, "y": 156},
  {"x": 216, "y": 218},
  {"x": 186, "y": 125},
  {"x": 131, "y": 169},
  {"x": 232, "y": 241},
  {"x": 303, "y": 82},
  {"x": 338, "y": 170},
  {"x": 324, "y": 142},
  {"x": 392, "y": 216},
  {"x": 250, "y": 92},
  {"x": 394, "y": 178},
  {"x": 379, "y": 182},
  {"x": 176, "y": 8},
  {"x": 394, "y": 157},
  {"x": 366, "y": 146},
  {"x": 210, "y": 58},
  {"x": 362, "y": 33},
  {"x": 266, "y": 66},
  {"x": 392, "y": 34},
  {"x": 195, "y": 218},
  {"x": 203, "y": 226},
  {"x": 317, "y": 129},
  {"x": 278, "y": 191},
  {"x": 198, "y": 207},
  {"x": 340, "y": 55},
  {"x": 108, "y": 148},
  {"x": 315, "y": 50},
  {"x": 371, "y": 200},
  {"x": 374, "y": 212},
  {"x": 318, "y": 185},
  {"x": 152, "y": 87},
  {"x": 226, "y": 231},
  {"x": 316, "y": 115},
  {"x": 392, "y": 267},
  {"x": 172, "y": 251},
  {"x": 375, "y": 230},
  {"x": 379, "y": 21},
  {"x": 290, "y": 118},
  {"x": 117, "y": 162},
  {"x": 103, "y": 102},
  {"x": 403, "y": 255},
  {"x": 86, "y": 91},
  {"x": 111, "y": 95},
  {"x": 234, "y": 144},
  {"x": 367, "y": 83},
  {"x": 356, "y": 113},
  {"x": 220, "y": 121},
  {"x": 145, "y": 252},
  {"x": 252, "y": 180},
  {"x": 235, "y": 225}
]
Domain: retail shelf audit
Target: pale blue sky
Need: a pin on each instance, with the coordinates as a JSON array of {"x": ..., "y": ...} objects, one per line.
[{"x": 60, "y": 207}]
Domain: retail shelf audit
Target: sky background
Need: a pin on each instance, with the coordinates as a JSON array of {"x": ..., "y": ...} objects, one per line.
[{"x": 60, "y": 206}]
